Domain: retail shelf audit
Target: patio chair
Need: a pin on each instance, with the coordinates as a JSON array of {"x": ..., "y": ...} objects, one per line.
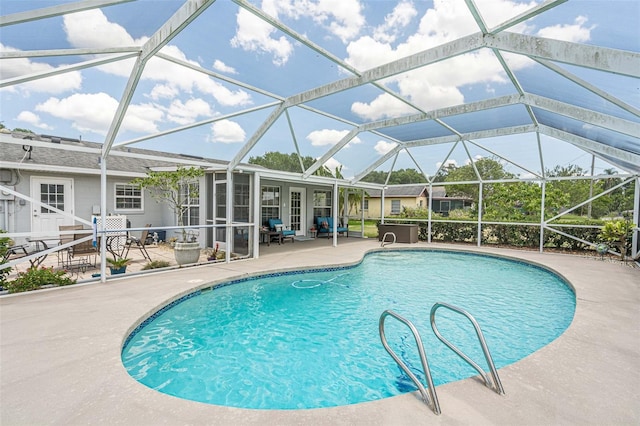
[
  {"x": 324, "y": 225},
  {"x": 276, "y": 225},
  {"x": 138, "y": 243},
  {"x": 82, "y": 255},
  {"x": 64, "y": 255}
]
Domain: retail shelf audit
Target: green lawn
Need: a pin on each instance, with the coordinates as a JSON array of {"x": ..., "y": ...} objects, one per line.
[{"x": 370, "y": 228}]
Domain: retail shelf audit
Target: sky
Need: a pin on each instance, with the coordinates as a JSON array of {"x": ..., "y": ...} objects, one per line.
[{"x": 235, "y": 44}]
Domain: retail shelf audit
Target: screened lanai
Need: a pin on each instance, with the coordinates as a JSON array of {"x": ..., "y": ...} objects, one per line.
[{"x": 548, "y": 91}]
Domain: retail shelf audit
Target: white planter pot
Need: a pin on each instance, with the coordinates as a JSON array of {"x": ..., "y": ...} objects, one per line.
[{"x": 186, "y": 253}]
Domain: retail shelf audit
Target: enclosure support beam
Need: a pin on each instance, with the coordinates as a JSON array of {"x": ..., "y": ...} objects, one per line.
[
  {"x": 635, "y": 239},
  {"x": 481, "y": 187},
  {"x": 542, "y": 207},
  {"x": 103, "y": 218}
]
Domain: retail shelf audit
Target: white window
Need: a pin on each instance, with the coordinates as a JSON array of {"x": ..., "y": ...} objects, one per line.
[
  {"x": 321, "y": 203},
  {"x": 366, "y": 205},
  {"x": 270, "y": 203},
  {"x": 395, "y": 206},
  {"x": 128, "y": 197},
  {"x": 190, "y": 203}
]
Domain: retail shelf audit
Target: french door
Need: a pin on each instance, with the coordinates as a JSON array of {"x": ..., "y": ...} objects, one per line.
[{"x": 297, "y": 210}]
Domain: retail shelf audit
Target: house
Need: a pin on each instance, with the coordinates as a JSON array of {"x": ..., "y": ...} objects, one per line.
[
  {"x": 397, "y": 198},
  {"x": 57, "y": 181}
]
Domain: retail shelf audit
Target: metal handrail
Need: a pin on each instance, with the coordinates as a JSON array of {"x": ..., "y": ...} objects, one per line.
[
  {"x": 494, "y": 373},
  {"x": 384, "y": 238},
  {"x": 429, "y": 398}
]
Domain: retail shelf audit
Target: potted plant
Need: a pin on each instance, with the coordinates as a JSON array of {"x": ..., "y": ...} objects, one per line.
[
  {"x": 169, "y": 187},
  {"x": 118, "y": 265}
]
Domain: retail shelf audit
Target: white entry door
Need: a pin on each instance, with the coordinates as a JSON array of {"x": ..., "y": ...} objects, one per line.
[
  {"x": 297, "y": 209},
  {"x": 54, "y": 192}
]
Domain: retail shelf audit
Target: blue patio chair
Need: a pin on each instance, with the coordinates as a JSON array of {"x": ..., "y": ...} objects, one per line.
[
  {"x": 276, "y": 225},
  {"x": 324, "y": 225}
]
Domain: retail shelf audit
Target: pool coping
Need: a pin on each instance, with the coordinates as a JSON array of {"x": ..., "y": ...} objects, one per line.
[{"x": 60, "y": 354}]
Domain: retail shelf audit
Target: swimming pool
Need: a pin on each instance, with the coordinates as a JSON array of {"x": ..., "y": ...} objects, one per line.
[{"x": 308, "y": 340}]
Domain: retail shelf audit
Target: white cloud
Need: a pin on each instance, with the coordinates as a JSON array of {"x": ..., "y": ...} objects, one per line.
[
  {"x": 438, "y": 85},
  {"x": 576, "y": 32},
  {"x": 384, "y": 105},
  {"x": 93, "y": 112},
  {"x": 475, "y": 159},
  {"x": 227, "y": 131},
  {"x": 332, "y": 164},
  {"x": 56, "y": 84},
  {"x": 218, "y": 65},
  {"x": 343, "y": 18},
  {"x": 382, "y": 147},
  {"x": 33, "y": 120},
  {"x": 163, "y": 91},
  {"x": 330, "y": 137},
  {"x": 188, "y": 112},
  {"x": 448, "y": 163},
  {"x": 93, "y": 29},
  {"x": 255, "y": 35},
  {"x": 399, "y": 18},
  {"x": 496, "y": 12}
]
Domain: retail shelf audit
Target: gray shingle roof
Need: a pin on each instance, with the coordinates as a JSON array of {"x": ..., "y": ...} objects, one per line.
[{"x": 43, "y": 156}]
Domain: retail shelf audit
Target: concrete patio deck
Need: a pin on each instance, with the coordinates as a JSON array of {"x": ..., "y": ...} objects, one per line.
[{"x": 60, "y": 354}]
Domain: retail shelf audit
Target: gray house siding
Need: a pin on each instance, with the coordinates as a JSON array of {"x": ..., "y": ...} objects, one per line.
[{"x": 86, "y": 199}]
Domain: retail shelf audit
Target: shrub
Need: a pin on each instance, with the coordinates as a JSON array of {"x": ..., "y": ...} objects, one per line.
[
  {"x": 5, "y": 243},
  {"x": 36, "y": 277},
  {"x": 156, "y": 264},
  {"x": 618, "y": 233}
]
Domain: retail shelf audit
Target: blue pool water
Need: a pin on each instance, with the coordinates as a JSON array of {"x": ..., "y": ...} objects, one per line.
[{"x": 308, "y": 340}]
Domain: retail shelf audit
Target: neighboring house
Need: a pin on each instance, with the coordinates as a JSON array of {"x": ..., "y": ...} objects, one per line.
[
  {"x": 396, "y": 198},
  {"x": 44, "y": 169}
]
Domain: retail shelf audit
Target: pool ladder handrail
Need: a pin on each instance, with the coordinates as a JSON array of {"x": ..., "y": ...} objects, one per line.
[
  {"x": 497, "y": 385},
  {"x": 429, "y": 395},
  {"x": 384, "y": 239}
]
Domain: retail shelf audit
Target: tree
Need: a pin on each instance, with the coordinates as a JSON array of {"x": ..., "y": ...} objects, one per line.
[
  {"x": 168, "y": 187},
  {"x": 398, "y": 177},
  {"x": 287, "y": 163},
  {"x": 18, "y": 129},
  {"x": 488, "y": 168},
  {"x": 577, "y": 190}
]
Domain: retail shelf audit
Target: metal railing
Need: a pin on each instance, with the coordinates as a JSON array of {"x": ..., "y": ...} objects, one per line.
[
  {"x": 384, "y": 239},
  {"x": 428, "y": 395},
  {"x": 497, "y": 385}
]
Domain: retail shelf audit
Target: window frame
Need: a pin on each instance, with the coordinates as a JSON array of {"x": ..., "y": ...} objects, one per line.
[
  {"x": 324, "y": 210},
  {"x": 267, "y": 210},
  {"x": 399, "y": 207},
  {"x": 117, "y": 197},
  {"x": 189, "y": 205}
]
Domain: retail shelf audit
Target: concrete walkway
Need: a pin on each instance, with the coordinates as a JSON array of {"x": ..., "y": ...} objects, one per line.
[{"x": 60, "y": 355}]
